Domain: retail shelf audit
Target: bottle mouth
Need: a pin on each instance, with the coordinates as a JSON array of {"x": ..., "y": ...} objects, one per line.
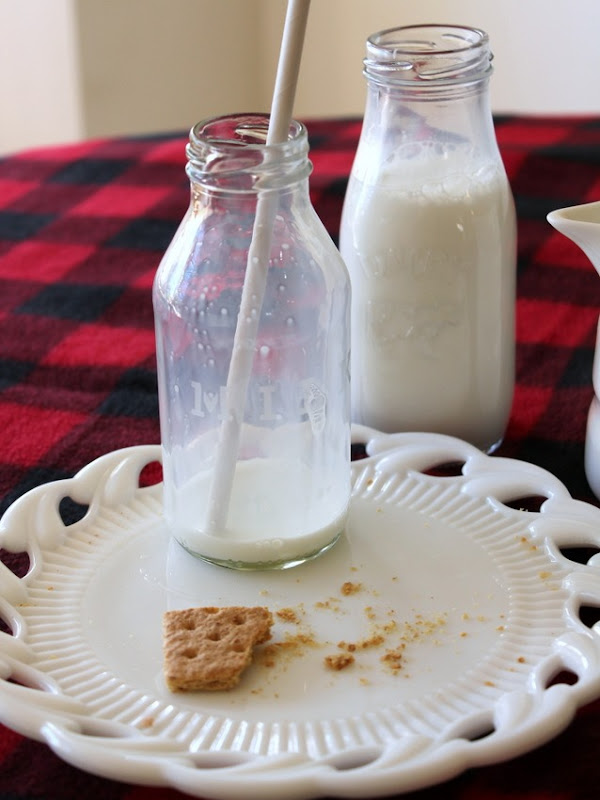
[
  {"x": 236, "y": 145},
  {"x": 435, "y": 54}
]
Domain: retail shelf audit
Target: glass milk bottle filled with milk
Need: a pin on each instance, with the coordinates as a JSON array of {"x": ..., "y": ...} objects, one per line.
[
  {"x": 253, "y": 355},
  {"x": 429, "y": 236}
]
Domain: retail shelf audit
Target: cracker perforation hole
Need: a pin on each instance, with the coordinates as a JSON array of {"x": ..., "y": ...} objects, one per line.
[
  {"x": 214, "y": 636},
  {"x": 190, "y": 653}
]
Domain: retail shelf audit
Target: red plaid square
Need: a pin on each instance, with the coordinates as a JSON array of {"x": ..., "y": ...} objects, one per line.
[
  {"x": 28, "y": 432},
  {"x": 117, "y": 200},
  {"x": 529, "y": 405},
  {"x": 556, "y": 249},
  {"x": 532, "y": 133},
  {"x": 328, "y": 164},
  {"x": 12, "y": 190},
  {"x": 43, "y": 261},
  {"x": 171, "y": 151},
  {"x": 540, "y": 321},
  {"x": 102, "y": 345}
]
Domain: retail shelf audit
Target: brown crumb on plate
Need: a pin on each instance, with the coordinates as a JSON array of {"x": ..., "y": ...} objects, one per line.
[{"x": 339, "y": 661}]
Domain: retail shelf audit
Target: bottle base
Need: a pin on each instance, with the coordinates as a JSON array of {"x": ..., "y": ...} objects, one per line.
[{"x": 255, "y": 566}]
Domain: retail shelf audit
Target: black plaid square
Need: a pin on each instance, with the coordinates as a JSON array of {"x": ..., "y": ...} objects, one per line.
[
  {"x": 16, "y": 226},
  {"x": 145, "y": 233},
  {"x": 136, "y": 394},
  {"x": 91, "y": 170},
  {"x": 70, "y": 301},
  {"x": 13, "y": 372}
]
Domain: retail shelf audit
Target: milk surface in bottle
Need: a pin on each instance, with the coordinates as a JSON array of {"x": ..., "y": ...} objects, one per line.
[{"x": 428, "y": 234}]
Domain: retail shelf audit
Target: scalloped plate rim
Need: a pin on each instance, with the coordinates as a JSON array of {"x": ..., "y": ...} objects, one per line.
[{"x": 149, "y": 760}]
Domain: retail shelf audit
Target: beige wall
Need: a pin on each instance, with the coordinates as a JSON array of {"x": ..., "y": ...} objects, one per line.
[
  {"x": 547, "y": 52},
  {"x": 72, "y": 69},
  {"x": 39, "y": 99},
  {"x": 150, "y": 65}
]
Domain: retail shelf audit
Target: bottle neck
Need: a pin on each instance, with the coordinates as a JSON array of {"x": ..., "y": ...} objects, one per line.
[
  {"x": 229, "y": 154},
  {"x": 428, "y": 98},
  {"x": 461, "y": 110}
]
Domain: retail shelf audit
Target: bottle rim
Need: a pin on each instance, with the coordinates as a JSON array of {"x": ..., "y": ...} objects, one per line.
[
  {"x": 233, "y": 144},
  {"x": 436, "y": 54}
]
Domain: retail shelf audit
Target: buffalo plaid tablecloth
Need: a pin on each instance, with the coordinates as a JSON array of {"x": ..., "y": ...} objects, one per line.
[{"x": 82, "y": 230}]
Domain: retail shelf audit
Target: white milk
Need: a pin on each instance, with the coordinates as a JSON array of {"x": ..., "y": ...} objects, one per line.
[
  {"x": 268, "y": 520},
  {"x": 432, "y": 265}
]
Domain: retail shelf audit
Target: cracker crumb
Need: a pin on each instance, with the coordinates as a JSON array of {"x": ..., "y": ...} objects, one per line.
[
  {"x": 331, "y": 604},
  {"x": 376, "y": 640},
  {"x": 292, "y": 646},
  {"x": 392, "y": 659},
  {"x": 349, "y": 588},
  {"x": 339, "y": 661},
  {"x": 287, "y": 614}
]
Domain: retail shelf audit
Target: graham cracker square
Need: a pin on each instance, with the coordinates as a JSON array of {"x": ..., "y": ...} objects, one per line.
[{"x": 209, "y": 648}]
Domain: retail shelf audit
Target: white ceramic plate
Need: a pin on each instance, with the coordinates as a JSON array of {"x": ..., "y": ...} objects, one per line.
[{"x": 475, "y": 599}]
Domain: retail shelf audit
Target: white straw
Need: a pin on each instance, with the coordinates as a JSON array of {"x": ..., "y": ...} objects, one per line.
[{"x": 255, "y": 280}]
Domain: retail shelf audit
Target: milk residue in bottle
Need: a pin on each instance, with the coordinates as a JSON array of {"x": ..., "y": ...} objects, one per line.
[{"x": 428, "y": 234}]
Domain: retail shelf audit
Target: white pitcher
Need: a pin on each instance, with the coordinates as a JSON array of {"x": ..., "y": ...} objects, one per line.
[{"x": 581, "y": 224}]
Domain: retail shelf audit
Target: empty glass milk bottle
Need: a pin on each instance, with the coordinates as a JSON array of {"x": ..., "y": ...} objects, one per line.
[
  {"x": 289, "y": 463},
  {"x": 429, "y": 237}
]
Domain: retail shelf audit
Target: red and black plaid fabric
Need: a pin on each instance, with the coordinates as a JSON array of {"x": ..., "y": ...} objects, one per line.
[{"x": 82, "y": 230}]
